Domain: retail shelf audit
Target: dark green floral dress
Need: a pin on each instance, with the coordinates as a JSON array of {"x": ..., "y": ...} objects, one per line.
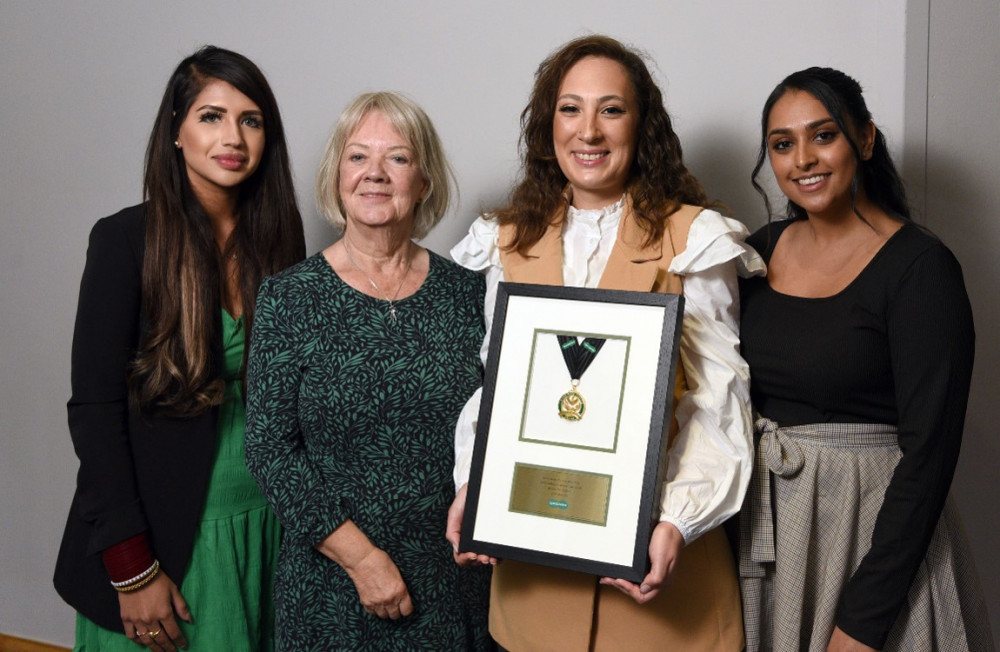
[{"x": 352, "y": 417}]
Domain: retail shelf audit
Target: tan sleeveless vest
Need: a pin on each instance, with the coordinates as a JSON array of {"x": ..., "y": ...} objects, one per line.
[{"x": 539, "y": 608}]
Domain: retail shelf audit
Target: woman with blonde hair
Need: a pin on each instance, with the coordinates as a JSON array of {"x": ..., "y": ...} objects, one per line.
[{"x": 361, "y": 361}]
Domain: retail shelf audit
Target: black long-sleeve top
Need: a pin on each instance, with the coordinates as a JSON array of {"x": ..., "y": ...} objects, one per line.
[{"x": 895, "y": 347}]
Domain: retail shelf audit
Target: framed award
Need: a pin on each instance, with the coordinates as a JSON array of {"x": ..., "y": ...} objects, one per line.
[{"x": 573, "y": 427}]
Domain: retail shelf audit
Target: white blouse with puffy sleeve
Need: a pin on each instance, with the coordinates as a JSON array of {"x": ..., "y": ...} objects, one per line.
[{"x": 709, "y": 462}]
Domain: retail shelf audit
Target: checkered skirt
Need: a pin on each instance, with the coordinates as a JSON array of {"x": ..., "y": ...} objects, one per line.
[{"x": 824, "y": 485}]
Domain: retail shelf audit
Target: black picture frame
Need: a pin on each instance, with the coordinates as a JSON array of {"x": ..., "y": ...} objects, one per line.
[{"x": 511, "y": 459}]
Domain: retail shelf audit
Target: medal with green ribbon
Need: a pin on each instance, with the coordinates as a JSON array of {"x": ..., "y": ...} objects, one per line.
[{"x": 578, "y": 356}]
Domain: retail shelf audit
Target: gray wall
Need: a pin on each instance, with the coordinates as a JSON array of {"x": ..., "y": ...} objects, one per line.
[
  {"x": 963, "y": 206},
  {"x": 80, "y": 83}
]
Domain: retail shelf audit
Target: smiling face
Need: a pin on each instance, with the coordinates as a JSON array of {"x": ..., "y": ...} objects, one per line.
[
  {"x": 812, "y": 160},
  {"x": 594, "y": 130},
  {"x": 221, "y": 138},
  {"x": 380, "y": 179}
]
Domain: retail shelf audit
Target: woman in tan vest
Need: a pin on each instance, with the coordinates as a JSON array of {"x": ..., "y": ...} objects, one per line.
[{"x": 604, "y": 200}]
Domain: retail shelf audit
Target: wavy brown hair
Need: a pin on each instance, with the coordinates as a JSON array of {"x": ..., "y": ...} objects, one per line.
[
  {"x": 183, "y": 274},
  {"x": 658, "y": 182}
]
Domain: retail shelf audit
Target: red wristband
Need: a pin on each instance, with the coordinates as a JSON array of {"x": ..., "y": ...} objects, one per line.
[{"x": 128, "y": 559}]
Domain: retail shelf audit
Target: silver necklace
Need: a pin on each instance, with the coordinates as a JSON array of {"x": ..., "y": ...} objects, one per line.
[{"x": 392, "y": 304}]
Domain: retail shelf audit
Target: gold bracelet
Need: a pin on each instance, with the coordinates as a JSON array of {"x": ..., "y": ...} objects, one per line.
[{"x": 141, "y": 583}]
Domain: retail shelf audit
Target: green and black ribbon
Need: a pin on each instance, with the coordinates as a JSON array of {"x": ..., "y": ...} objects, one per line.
[{"x": 578, "y": 355}]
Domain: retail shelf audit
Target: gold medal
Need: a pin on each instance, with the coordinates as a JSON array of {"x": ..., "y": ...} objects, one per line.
[{"x": 571, "y": 404}]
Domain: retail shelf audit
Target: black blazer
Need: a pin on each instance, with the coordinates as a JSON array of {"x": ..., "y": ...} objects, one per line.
[{"x": 136, "y": 474}]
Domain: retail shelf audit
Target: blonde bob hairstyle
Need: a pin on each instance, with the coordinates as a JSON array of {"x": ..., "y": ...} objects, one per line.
[{"x": 417, "y": 130}]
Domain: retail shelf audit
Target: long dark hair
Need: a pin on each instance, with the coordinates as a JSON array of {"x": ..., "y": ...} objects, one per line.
[
  {"x": 658, "y": 182},
  {"x": 182, "y": 276},
  {"x": 841, "y": 95}
]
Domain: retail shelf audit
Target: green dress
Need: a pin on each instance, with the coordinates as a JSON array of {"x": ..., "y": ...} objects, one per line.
[
  {"x": 229, "y": 581},
  {"x": 352, "y": 416}
]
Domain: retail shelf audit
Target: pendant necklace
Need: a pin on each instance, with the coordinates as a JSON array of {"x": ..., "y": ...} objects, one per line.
[
  {"x": 578, "y": 356},
  {"x": 392, "y": 304}
]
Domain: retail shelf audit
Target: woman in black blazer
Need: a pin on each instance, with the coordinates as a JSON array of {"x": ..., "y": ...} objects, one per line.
[{"x": 156, "y": 415}]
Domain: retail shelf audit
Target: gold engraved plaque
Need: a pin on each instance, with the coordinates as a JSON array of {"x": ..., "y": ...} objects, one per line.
[{"x": 560, "y": 493}]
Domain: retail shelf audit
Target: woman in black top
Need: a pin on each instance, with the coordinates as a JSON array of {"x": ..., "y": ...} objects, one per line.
[{"x": 860, "y": 344}]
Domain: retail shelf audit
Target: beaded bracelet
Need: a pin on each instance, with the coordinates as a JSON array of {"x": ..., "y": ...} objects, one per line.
[
  {"x": 135, "y": 583},
  {"x": 141, "y": 576}
]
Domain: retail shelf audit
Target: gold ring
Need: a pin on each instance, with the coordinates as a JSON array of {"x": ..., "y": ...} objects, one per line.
[{"x": 153, "y": 634}]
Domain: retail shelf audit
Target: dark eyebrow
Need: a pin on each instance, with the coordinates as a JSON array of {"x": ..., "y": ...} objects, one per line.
[
  {"x": 220, "y": 109},
  {"x": 811, "y": 125},
  {"x": 600, "y": 100}
]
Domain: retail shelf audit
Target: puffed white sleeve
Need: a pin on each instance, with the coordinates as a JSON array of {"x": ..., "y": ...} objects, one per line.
[
  {"x": 709, "y": 462},
  {"x": 479, "y": 250}
]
